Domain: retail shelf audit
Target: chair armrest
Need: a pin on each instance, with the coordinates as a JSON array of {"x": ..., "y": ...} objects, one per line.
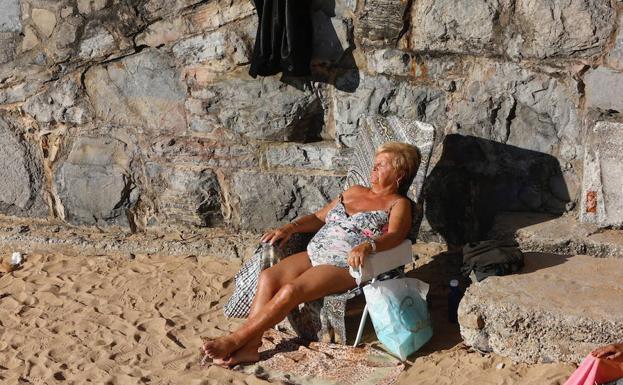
[{"x": 383, "y": 261}]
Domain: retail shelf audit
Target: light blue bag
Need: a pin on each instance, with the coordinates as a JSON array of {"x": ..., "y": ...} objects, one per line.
[{"x": 399, "y": 314}]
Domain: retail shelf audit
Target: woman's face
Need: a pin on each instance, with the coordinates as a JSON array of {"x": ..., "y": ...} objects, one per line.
[{"x": 383, "y": 172}]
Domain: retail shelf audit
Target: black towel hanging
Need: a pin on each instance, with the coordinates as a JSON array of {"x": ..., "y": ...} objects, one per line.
[{"x": 283, "y": 42}]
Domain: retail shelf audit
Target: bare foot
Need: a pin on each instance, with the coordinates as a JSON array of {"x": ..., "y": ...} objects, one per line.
[
  {"x": 220, "y": 348},
  {"x": 241, "y": 356}
]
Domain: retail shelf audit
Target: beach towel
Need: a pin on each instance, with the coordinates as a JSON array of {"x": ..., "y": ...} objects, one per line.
[
  {"x": 598, "y": 371},
  {"x": 291, "y": 360}
]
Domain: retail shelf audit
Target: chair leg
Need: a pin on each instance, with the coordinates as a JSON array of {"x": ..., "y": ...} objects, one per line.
[{"x": 362, "y": 323}]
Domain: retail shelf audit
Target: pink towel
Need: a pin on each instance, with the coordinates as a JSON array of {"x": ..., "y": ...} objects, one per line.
[{"x": 594, "y": 370}]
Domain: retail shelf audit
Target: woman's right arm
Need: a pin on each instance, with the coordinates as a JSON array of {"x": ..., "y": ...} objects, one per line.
[{"x": 307, "y": 224}]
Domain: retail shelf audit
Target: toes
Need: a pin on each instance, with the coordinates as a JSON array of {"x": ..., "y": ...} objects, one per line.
[{"x": 225, "y": 362}]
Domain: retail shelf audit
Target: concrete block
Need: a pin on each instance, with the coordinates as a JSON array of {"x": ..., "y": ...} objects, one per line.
[{"x": 602, "y": 187}]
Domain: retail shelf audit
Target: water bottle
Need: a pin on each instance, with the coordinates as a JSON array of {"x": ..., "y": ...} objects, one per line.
[{"x": 454, "y": 297}]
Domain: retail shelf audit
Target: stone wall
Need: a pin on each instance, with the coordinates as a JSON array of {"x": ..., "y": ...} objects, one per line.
[{"x": 142, "y": 114}]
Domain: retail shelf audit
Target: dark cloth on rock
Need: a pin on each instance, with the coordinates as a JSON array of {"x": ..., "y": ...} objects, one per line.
[{"x": 283, "y": 42}]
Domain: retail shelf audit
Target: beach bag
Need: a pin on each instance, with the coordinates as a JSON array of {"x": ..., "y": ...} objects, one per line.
[
  {"x": 239, "y": 304},
  {"x": 399, "y": 313},
  {"x": 487, "y": 258}
]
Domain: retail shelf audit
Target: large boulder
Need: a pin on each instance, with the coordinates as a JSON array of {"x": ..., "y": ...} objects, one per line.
[{"x": 557, "y": 310}]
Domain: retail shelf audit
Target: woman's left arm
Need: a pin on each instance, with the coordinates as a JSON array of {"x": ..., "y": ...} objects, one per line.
[{"x": 398, "y": 228}]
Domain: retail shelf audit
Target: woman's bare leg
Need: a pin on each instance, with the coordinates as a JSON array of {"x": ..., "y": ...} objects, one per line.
[
  {"x": 271, "y": 280},
  {"x": 314, "y": 283}
]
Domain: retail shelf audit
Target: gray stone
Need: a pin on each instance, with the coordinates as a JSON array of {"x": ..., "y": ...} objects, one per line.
[
  {"x": 219, "y": 50},
  {"x": 380, "y": 22},
  {"x": 558, "y": 309},
  {"x": 159, "y": 9},
  {"x": 30, "y": 39},
  {"x": 94, "y": 184},
  {"x": 163, "y": 32},
  {"x": 97, "y": 42},
  {"x": 142, "y": 90},
  {"x": 85, "y": 7},
  {"x": 215, "y": 14},
  {"x": 264, "y": 109},
  {"x": 186, "y": 195},
  {"x": 563, "y": 27},
  {"x": 21, "y": 175},
  {"x": 522, "y": 28},
  {"x": 267, "y": 200},
  {"x": 320, "y": 156},
  {"x": 615, "y": 56},
  {"x": 465, "y": 26},
  {"x": 511, "y": 105},
  {"x": 61, "y": 42},
  {"x": 602, "y": 185},
  {"x": 8, "y": 46},
  {"x": 379, "y": 95},
  {"x": 202, "y": 152},
  {"x": 63, "y": 102},
  {"x": 19, "y": 92},
  {"x": 602, "y": 89},
  {"x": 390, "y": 62},
  {"x": 10, "y": 16},
  {"x": 44, "y": 20}
]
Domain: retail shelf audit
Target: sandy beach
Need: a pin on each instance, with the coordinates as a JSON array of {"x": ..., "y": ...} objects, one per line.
[{"x": 68, "y": 319}]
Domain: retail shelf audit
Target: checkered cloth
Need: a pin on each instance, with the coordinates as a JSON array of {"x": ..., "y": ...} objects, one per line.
[
  {"x": 246, "y": 280},
  {"x": 264, "y": 256}
]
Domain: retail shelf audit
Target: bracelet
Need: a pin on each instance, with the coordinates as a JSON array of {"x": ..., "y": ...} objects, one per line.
[{"x": 372, "y": 244}]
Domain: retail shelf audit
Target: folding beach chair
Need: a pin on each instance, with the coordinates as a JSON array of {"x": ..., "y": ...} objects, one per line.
[{"x": 383, "y": 265}]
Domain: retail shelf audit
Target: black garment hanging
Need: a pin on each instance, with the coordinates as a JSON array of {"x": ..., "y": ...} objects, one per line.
[{"x": 284, "y": 38}]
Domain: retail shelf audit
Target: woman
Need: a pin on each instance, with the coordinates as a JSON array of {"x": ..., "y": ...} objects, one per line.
[{"x": 352, "y": 226}]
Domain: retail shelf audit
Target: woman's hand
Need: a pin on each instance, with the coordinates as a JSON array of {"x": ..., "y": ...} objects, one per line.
[
  {"x": 358, "y": 254},
  {"x": 283, "y": 233},
  {"x": 609, "y": 352}
]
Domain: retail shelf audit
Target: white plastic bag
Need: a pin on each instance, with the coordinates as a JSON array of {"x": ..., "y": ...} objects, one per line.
[{"x": 399, "y": 314}]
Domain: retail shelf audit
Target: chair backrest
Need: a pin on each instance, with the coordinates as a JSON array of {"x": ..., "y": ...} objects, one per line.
[{"x": 378, "y": 130}]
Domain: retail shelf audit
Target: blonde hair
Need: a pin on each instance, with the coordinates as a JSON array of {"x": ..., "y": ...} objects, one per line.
[{"x": 406, "y": 160}]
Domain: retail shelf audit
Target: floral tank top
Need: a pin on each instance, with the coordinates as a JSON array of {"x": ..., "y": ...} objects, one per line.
[{"x": 341, "y": 232}]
